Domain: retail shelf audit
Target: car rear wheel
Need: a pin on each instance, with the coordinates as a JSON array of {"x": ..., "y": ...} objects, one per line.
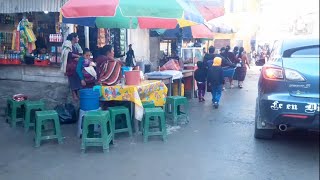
[{"x": 262, "y": 133}]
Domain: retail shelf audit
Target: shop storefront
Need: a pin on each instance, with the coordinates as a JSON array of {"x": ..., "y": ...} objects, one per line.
[{"x": 30, "y": 42}]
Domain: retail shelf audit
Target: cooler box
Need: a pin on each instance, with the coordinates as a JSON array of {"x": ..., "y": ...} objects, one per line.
[
  {"x": 125, "y": 69},
  {"x": 132, "y": 77}
]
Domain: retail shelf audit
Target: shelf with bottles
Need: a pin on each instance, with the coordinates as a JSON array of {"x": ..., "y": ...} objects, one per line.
[
  {"x": 7, "y": 19},
  {"x": 10, "y": 57},
  {"x": 55, "y": 53},
  {"x": 55, "y": 38},
  {"x": 5, "y": 38}
]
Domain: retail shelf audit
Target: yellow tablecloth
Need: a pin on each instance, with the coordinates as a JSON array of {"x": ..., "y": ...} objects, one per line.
[{"x": 149, "y": 90}]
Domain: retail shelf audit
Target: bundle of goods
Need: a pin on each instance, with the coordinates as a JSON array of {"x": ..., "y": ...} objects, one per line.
[
  {"x": 171, "y": 65},
  {"x": 23, "y": 37},
  {"x": 228, "y": 71}
]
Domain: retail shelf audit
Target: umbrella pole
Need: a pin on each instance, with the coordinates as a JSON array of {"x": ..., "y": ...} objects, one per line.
[
  {"x": 86, "y": 35},
  {"x": 130, "y": 30},
  {"x": 167, "y": 48}
]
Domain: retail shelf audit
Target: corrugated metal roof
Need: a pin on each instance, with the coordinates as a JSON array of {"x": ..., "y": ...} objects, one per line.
[{"x": 20, "y": 6}]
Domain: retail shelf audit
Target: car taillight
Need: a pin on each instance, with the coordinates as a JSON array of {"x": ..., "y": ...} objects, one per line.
[
  {"x": 292, "y": 75},
  {"x": 273, "y": 73},
  {"x": 295, "y": 116}
]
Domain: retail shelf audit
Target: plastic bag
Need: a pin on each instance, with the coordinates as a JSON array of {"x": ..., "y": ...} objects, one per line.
[{"x": 67, "y": 113}]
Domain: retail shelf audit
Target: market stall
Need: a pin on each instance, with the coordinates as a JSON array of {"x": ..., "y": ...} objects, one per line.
[
  {"x": 30, "y": 38},
  {"x": 30, "y": 46}
]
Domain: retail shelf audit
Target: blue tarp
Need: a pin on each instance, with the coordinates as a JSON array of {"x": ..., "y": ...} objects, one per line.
[{"x": 174, "y": 33}]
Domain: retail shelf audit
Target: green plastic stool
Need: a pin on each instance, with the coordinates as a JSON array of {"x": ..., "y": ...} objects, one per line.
[
  {"x": 149, "y": 104},
  {"x": 43, "y": 117},
  {"x": 175, "y": 103},
  {"x": 101, "y": 118},
  {"x": 146, "y": 104},
  {"x": 154, "y": 112},
  {"x": 29, "y": 106},
  {"x": 12, "y": 110},
  {"x": 118, "y": 110}
]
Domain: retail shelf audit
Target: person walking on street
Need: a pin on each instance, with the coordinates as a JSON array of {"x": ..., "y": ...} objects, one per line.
[
  {"x": 241, "y": 71},
  {"x": 236, "y": 50},
  {"x": 232, "y": 58},
  {"x": 200, "y": 75},
  {"x": 215, "y": 79},
  {"x": 130, "y": 57},
  {"x": 208, "y": 58},
  {"x": 223, "y": 52},
  {"x": 204, "y": 51}
]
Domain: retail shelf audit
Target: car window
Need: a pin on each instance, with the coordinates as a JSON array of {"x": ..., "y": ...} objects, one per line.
[
  {"x": 275, "y": 54},
  {"x": 308, "y": 52}
]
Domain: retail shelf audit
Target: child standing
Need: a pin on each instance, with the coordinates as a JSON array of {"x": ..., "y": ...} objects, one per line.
[
  {"x": 86, "y": 71},
  {"x": 200, "y": 75},
  {"x": 215, "y": 78}
]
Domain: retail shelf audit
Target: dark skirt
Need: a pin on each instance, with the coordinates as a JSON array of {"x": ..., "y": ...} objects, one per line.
[
  {"x": 89, "y": 85},
  {"x": 74, "y": 82},
  {"x": 240, "y": 73}
]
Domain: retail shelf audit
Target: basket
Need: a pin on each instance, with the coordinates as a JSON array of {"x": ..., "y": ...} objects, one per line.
[
  {"x": 14, "y": 61},
  {"x": 3, "y": 61},
  {"x": 228, "y": 72},
  {"x": 41, "y": 62}
]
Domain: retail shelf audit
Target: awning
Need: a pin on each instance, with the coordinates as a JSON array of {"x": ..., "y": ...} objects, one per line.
[
  {"x": 198, "y": 31},
  {"x": 21, "y": 6},
  {"x": 201, "y": 31}
]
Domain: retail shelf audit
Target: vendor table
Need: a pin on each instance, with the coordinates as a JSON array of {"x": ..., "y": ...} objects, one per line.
[
  {"x": 166, "y": 79},
  {"x": 148, "y": 90}
]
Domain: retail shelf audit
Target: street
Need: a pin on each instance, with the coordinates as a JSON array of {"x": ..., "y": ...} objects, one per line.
[{"x": 216, "y": 144}]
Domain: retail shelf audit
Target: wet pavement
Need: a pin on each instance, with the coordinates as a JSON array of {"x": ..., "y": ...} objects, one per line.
[{"x": 216, "y": 144}]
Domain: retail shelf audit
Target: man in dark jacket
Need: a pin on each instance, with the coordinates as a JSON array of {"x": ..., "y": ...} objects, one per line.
[
  {"x": 215, "y": 79},
  {"x": 208, "y": 59}
]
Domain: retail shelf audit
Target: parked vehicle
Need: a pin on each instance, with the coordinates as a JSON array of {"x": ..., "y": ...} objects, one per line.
[{"x": 288, "y": 88}]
